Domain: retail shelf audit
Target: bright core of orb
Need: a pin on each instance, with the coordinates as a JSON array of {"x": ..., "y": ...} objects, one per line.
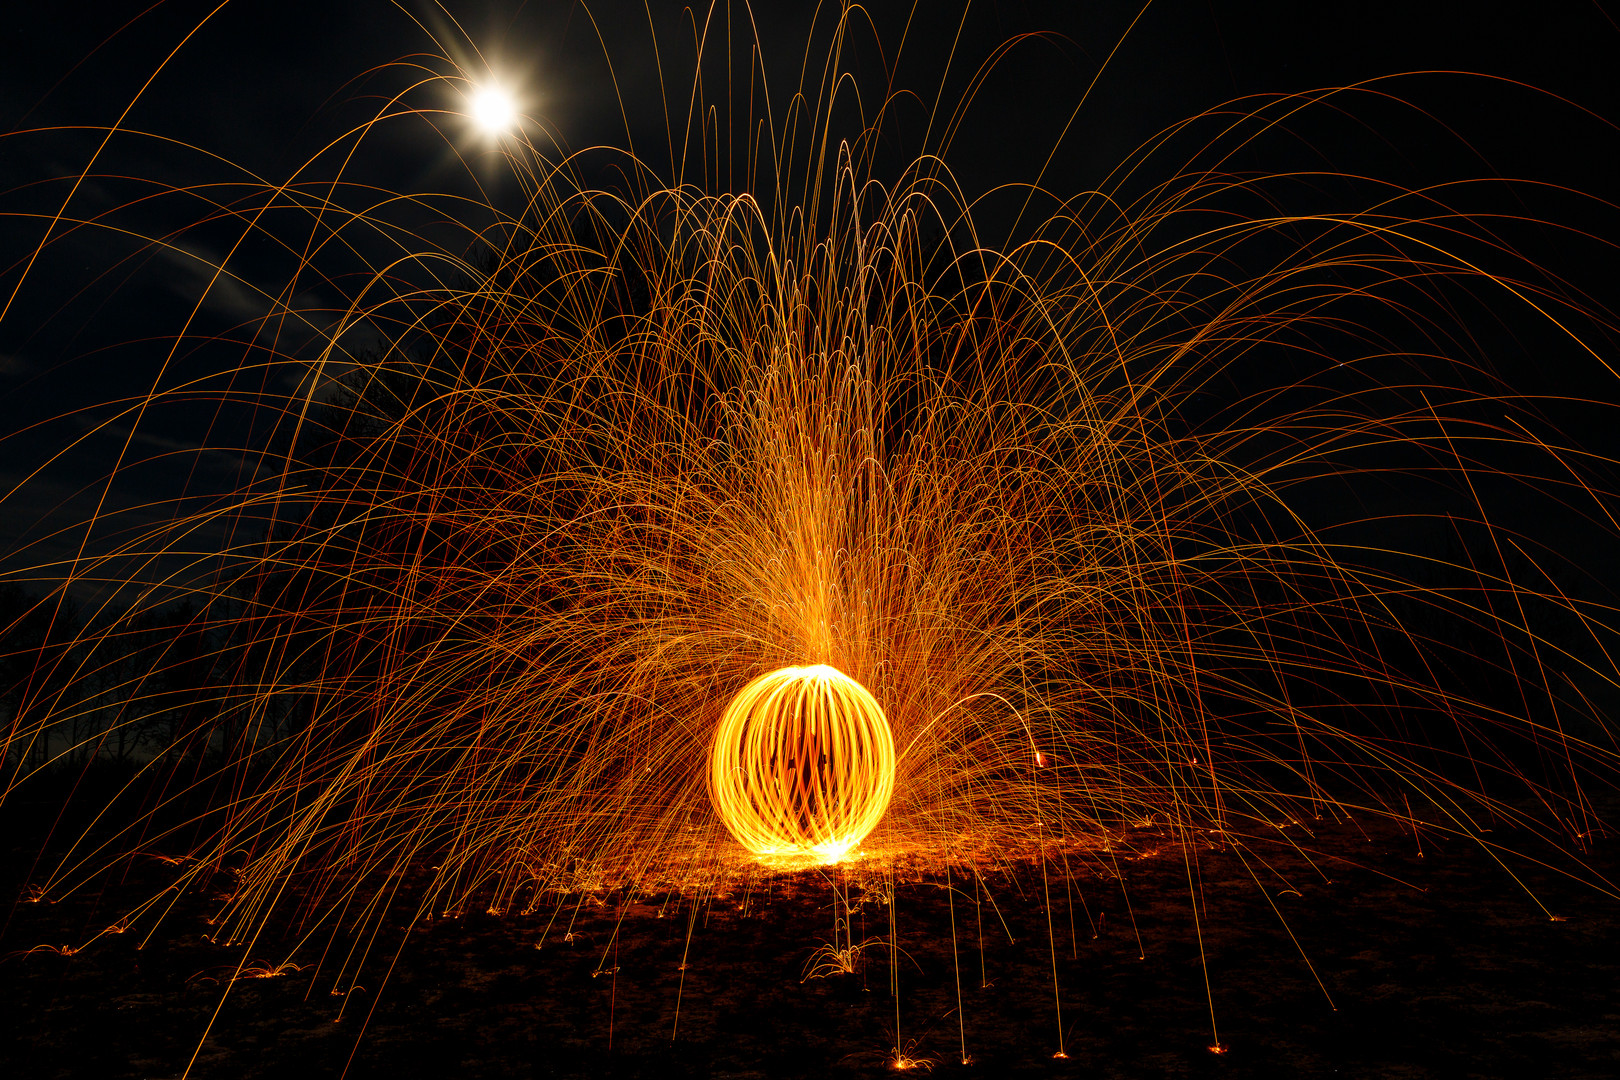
[{"x": 802, "y": 764}]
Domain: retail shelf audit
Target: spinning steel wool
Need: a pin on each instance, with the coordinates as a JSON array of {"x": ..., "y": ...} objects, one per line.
[{"x": 803, "y": 762}]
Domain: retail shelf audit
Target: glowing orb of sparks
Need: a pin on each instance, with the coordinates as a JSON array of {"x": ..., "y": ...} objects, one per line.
[
  {"x": 803, "y": 764},
  {"x": 492, "y": 109}
]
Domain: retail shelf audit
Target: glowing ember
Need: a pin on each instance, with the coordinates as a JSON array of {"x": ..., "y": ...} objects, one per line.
[{"x": 803, "y": 763}]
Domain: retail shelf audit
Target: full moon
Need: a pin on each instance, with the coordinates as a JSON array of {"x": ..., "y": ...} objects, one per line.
[
  {"x": 493, "y": 109},
  {"x": 802, "y": 764}
]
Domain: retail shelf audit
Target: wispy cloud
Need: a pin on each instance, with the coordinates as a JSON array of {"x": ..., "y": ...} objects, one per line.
[
  {"x": 307, "y": 327},
  {"x": 245, "y": 463},
  {"x": 201, "y": 280}
]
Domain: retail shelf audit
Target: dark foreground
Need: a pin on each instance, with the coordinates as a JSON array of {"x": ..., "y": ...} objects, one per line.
[{"x": 1439, "y": 966}]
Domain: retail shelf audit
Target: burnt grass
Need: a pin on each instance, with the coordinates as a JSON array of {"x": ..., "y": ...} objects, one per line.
[{"x": 1437, "y": 964}]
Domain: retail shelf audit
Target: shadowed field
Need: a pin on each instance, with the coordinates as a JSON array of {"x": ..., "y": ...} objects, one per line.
[{"x": 1438, "y": 964}]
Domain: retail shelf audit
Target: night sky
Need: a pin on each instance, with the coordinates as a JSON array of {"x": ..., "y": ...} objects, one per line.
[{"x": 260, "y": 89}]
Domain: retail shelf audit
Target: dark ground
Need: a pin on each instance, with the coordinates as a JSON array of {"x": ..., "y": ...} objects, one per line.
[{"x": 1439, "y": 965}]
